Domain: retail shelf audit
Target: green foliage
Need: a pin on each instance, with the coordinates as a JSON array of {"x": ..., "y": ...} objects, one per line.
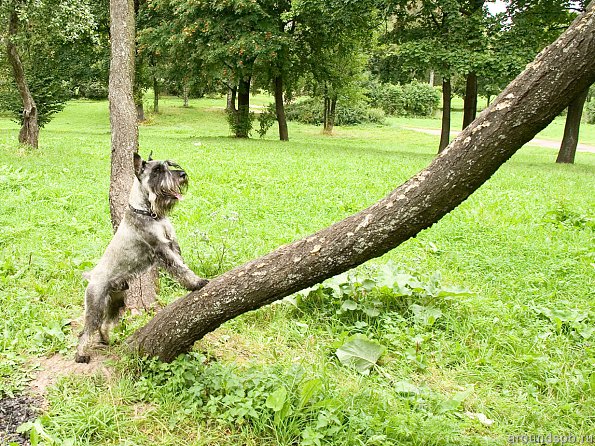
[
  {"x": 565, "y": 216},
  {"x": 420, "y": 99},
  {"x": 267, "y": 119},
  {"x": 388, "y": 97},
  {"x": 240, "y": 122},
  {"x": 310, "y": 111},
  {"x": 270, "y": 402},
  {"x": 590, "y": 111},
  {"x": 94, "y": 89},
  {"x": 57, "y": 43},
  {"x": 413, "y": 99},
  {"x": 50, "y": 95},
  {"x": 361, "y": 353}
]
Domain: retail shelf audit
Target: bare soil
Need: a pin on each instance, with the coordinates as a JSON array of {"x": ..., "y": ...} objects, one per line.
[
  {"x": 30, "y": 404},
  {"x": 14, "y": 412}
]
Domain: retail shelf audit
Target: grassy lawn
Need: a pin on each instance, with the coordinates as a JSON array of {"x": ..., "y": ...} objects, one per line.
[{"x": 487, "y": 333}]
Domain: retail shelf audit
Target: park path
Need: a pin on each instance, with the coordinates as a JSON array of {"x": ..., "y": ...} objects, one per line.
[{"x": 533, "y": 142}]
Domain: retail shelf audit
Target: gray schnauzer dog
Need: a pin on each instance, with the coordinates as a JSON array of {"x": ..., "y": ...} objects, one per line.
[{"x": 144, "y": 238}]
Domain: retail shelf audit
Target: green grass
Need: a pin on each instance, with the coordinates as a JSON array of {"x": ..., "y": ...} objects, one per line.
[{"x": 517, "y": 348}]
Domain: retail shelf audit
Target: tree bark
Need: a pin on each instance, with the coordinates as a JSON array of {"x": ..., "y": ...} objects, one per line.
[
  {"x": 185, "y": 94},
  {"x": 325, "y": 112},
  {"x": 446, "y": 107},
  {"x": 280, "y": 109},
  {"x": 470, "y": 101},
  {"x": 155, "y": 95},
  {"x": 138, "y": 103},
  {"x": 243, "y": 113},
  {"x": 330, "y": 106},
  {"x": 231, "y": 99},
  {"x": 526, "y": 106},
  {"x": 123, "y": 121},
  {"x": 571, "y": 129},
  {"x": 29, "y": 133}
]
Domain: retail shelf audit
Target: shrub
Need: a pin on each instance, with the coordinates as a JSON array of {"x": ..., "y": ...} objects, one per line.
[
  {"x": 94, "y": 90},
  {"x": 240, "y": 123},
  {"x": 310, "y": 111},
  {"x": 420, "y": 99},
  {"x": 388, "y": 97},
  {"x": 414, "y": 99},
  {"x": 266, "y": 119}
]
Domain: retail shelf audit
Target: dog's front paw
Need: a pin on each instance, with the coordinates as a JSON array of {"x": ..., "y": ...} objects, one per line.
[{"x": 82, "y": 359}]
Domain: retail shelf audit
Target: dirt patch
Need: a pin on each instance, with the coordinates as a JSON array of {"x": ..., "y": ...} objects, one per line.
[
  {"x": 14, "y": 412},
  {"x": 28, "y": 406},
  {"x": 57, "y": 366}
]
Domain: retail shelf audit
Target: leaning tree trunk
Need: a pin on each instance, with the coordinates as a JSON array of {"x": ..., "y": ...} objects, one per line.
[
  {"x": 470, "y": 101},
  {"x": 141, "y": 293},
  {"x": 571, "y": 130},
  {"x": 446, "y": 108},
  {"x": 526, "y": 106},
  {"x": 280, "y": 109},
  {"x": 29, "y": 133}
]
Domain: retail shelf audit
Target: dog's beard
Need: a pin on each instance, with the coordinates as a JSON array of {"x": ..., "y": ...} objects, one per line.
[{"x": 168, "y": 195}]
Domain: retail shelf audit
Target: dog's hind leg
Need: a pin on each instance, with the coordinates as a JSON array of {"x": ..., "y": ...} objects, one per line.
[
  {"x": 112, "y": 314},
  {"x": 96, "y": 297}
]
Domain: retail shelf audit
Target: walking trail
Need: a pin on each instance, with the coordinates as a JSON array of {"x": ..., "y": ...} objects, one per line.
[{"x": 533, "y": 142}]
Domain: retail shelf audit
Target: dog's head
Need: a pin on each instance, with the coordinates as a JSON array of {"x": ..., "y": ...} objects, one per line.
[{"x": 164, "y": 182}]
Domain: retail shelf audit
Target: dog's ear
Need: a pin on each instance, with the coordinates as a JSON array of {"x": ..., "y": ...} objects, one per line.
[{"x": 139, "y": 164}]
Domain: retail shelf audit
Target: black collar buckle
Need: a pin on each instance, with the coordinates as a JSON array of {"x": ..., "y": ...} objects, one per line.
[{"x": 153, "y": 215}]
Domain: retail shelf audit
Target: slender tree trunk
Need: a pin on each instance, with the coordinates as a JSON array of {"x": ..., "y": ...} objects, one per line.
[
  {"x": 330, "y": 107},
  {"x": 571, "y": 130},
  {"x": 525, "y": 107},
  {"x": 232, "y": 94},
  {"x": 155, "y": 95},
  {"x": 185, "y": 94},
  {"x": 29, "y": 133},
  {"x": 325, "y": 112},
  {"x": 138, "y": 105},
  {"x": 243, "y": 113},
  {"x": 432, "y": 75},
  {"x": 470, "y": 103},
  {"x": 332, "y": 114},
  {"x": 446, "y": 107},
  {"x": 280, "y": 109},
  {"x": 123, "y": 120}
]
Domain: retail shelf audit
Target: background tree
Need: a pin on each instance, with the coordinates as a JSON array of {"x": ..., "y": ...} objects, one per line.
[
  {"x": 525, "y": 107},
  {"x": 35, "y": 34},
  {"x": 571, "y": 129},
  {"x": 331, "y": 36},
  {"x": 29, "y": 133},
  {"x": 534, "y": 24}
]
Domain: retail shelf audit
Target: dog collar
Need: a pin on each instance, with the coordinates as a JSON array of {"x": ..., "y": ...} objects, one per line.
[{"x": 153, "y": 215}]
